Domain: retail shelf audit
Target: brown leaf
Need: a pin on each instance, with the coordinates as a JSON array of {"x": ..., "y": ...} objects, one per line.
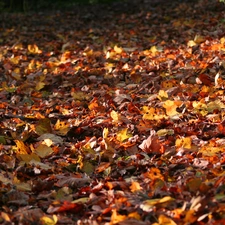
[
  {"x": 152, "y": 144},
  {"x": 73, "y": 182}
]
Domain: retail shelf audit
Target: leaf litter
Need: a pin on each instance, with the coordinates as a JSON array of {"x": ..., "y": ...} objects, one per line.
[{"x": 113, "y": 114}]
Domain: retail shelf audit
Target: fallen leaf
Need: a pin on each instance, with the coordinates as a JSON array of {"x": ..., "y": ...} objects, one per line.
[
  {"x": 43, "y": 151},
  {"x": 116, "y": 217},
  {"x": 47, "y": 220},
  {"x": 152, "y": 144}
]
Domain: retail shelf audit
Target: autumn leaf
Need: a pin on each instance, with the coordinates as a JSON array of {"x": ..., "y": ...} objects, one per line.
[
  {"x": 148, "y": 205},
  {"x": 162, "y": 95},
  {"x": 184, "y": 143},
  {"x": 210, "y": 150},
  {"x": 171, "y": 107},
  {"x": 164, "y": 220},
  {"x": 117, "y": 49},
  {"x": 21, "y": 148},
  {"x": 43, "y": 126},
  {"x": 43, "y": 150},
  {"x": 50, "y": 139},
  {"x": 4, "y": 179},
  {"x": 153, "y": 174},
  {"x": 87, "y": 167},
  {"x": 27, "y": 158},
  {"x": 152, "y": 144},
  {"x": 115, "y": 116},
  {"x": 79, "y": 95},
  {"x": 123, "y": 135},
  {"x": 46, "y": 220},
  {"x": 61, "y": 127},
  {"x": 152, "y": 113},
  {"x": 135, "y": 186},
  {"x": 22, "y": 186},
  {"x": 40, "y": 85},
  {"x": 34, "y": 49},
  {"x": 116, "y": 217}
]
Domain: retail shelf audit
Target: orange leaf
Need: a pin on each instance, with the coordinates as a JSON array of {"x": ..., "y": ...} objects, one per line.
[
  {"x": 22, "y": 148},
  {"x": 116, "y": 217},
  {"x": 165, "y": 220},
  {"x": 135, "y": 186},
  {"x": 33, "y": 49}
]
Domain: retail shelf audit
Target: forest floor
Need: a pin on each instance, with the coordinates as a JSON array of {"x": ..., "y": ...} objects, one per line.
[{"x": 113, "y": 114}]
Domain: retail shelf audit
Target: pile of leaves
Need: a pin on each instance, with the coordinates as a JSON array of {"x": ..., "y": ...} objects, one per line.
[{"x": 113, "y": 114}]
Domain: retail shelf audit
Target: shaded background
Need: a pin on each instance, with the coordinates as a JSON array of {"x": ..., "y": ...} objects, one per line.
[{"x": 27, "y": 5}]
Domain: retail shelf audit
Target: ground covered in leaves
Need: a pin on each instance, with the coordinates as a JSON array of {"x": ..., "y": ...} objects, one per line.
[{"x": 113, "y": 114}]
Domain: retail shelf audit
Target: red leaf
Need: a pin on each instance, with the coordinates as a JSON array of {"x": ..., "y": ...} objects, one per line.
[
  {"x": 65, "y": 207},
  {"x": 205, "y": 79}
]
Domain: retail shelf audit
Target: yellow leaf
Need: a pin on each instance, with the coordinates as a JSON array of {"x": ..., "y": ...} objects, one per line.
[
  {"x": 123, "y": 135},
  {"x": 79, "y": 95},
  {"x": 222, "y": 40},
  {"x": 49, "y": 221},
  {"x": 40, "y": 85},
  {"x": 184, "y": 142},
  {"x": 62, "y": 127},
  {"x": 164, "y": 132},
  {"x": 118, "y": 50},
  {"x": 148, "y": 205},
  {"x": 171, "y": 107},
  {"x": 152, "y": 113},
  {"x": 26, "y": 158},
  {"x": 200, "y": 107},
  {"x": 199, "y": 39},
  {"x": 191, "y": 43},
  {"x": 81, "y": 200},
  {"x": 211, "y": 106},
  {"x": 105, "y": 133},
  {"x": 134, "y": 215},
  {"x": 154, "y": 50},
  {"x": 162, "y": 95},
  {"x": 166, "y": 199},
  {"x": 211, "y": 151},
  {"x": 33, "y": 49},
  {"x": 115, "y": 116}
]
